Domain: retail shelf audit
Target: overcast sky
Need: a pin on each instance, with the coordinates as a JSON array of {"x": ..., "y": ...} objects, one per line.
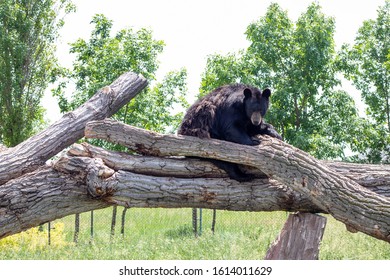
[{"x": 192, "y": 30}]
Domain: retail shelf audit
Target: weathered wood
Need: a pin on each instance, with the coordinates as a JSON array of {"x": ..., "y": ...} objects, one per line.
[
  {"x": 148, "y": 165},
  {"x": 136, "y": 190},
  {"x": 106, "y": 180},
  {"x": 40, "y": 197},
  {"x": 347, "y": 201},
  {"x": 32, "y": 153},
  {"x": 373, "y": 177},
  {"x": 299, "y": 239},
  {"x": 80, "y": 184}
]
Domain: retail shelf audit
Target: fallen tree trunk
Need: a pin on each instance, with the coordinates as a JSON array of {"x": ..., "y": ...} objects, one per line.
[
  {"x": 371, "y": 176},
  {"x": 360, "y": 209},
  {"x": 137, "y": 190},
  {"x": 50, "y": 193},
  {"x": 42, "y": 196},
  {"x": 32, "y": 153},
  {"x": 79, "y": 184}
]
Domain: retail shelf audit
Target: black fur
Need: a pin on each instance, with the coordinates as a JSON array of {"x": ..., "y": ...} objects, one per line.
[{"x": 232, "y": 113}]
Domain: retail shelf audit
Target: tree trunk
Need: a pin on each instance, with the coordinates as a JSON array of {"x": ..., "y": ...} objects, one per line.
[
  {"x": 347, "y": 201},
  {"x": 32, "y": 153},
  {"x": 374, "y": 177},
  {"x": 42, "y": 196},
  {"x": 69, "y": 187}
]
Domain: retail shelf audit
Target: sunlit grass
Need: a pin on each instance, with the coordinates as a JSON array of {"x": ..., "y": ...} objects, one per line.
[
  {"x": 338, "y": 243},
  {"x": 152, "y": 234}
]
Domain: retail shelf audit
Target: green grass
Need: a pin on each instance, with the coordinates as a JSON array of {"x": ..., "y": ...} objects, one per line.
[{"x": 152, "y": 234}]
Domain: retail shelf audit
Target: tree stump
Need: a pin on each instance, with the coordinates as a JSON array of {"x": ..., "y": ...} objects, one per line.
[{"x": 299, "y": 239}]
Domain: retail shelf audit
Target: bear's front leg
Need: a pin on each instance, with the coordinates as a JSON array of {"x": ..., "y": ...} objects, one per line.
[
  {"x": 233, "y": 170},
  {"x": 240, "y": 136},
  {"x": 266, "y": 129}
]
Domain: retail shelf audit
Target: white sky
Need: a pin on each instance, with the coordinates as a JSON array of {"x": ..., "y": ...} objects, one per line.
[{"x": 192, "y": 30}]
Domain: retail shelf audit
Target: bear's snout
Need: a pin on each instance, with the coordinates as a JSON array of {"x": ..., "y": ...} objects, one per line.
[{"x": 256, "y": 118}]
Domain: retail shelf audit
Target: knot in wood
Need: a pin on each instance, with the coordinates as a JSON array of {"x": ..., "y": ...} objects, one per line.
[{"x": 96, "y": 179}]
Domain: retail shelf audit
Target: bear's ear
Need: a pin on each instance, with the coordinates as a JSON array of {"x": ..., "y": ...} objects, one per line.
[
  {"x": 247, "y": 93},
  {"x": 266, "y": 93}
]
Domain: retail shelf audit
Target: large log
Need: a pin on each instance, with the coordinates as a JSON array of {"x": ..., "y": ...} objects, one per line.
[
  {"x": 374, "y": 177},
  {"x": 32, "y": 153},
  {"x": 360, "y": 209},
  {"x": 47, "y": 194},
  {"x": 78, "y": 184},
  {"x": 137, "y": 190},
  {"x": 42, "y": 196}
]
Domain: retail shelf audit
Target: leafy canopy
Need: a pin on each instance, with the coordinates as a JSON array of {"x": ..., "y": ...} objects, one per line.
[
  {"x": 28, "y": 31},
  {"x": 104, "y": 57},
  {"x": 366, "y": 63},
  {"x": 297, "y": 61}
]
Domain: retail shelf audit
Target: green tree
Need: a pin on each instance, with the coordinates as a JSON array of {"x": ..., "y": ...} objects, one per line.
[
  {"x": 296, "y": 60},
  {"x": 28, "y": 31},
  {"x": 104, "y": 57},
  {"x": 366, "y": 64}
]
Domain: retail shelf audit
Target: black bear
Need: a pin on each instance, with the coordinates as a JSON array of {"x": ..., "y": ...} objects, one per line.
[{"x": 232, "y": 113}]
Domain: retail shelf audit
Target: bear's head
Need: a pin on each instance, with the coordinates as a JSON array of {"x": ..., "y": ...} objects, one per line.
[{"x": 256, "y": 104}]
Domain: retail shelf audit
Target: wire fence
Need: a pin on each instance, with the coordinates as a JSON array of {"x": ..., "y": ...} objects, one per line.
[
  {"x": 120, "y": 221},
  {"x": 197, "y": 223}
]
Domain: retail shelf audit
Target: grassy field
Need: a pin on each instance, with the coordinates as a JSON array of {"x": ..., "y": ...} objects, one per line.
[{"x": 152, "y": 234}]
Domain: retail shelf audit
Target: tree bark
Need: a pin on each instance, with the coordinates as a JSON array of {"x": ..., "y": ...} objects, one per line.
[
  {"x": 347, "y": 201},
  {"x": 299, "y": 239},
  {"x": 51, "y": 193},
  {"x": 371, "y": 176},
  {"x": 32, "y": 153},
  {"x": 121, "y": 187},
  {"x": 40, "y": 197}
]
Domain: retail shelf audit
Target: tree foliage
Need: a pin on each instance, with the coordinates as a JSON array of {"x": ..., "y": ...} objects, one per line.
[
  {"x": 366, "y": 64},
  {"x": 28, "y": 30},
  {"x": 297, "y": 61},
  {"x": 104, "y": 57}
]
